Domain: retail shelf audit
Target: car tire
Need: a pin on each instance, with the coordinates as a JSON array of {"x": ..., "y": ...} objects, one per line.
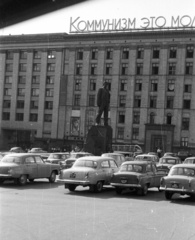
[
  {"x": 22, "y": 180},
  {"x": 31, "y": 180},
  {"x": 98, "y": 187},
  {"x": 52, "y": 177},
  {"x": 168, "y": 195},
  {"x": 118, "y": 190},
  {"x": 71, "y": 187},
  {"x": 143, "y": 191}
]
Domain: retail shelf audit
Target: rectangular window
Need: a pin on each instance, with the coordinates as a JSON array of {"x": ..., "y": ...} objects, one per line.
[
  {"x": 51, "y": 54},
  {"x": 109, "y": 82},
  {"x": 6, "y": 116},
  {"x": 21, "y": 91},
  {"x": 49, "y": 92},
  {"x": 140, "y": 53},
  {"x": 22, "y": 67},
  {"x": 36, "y": 79},
  {"x": 20, "y": 104},
  {"x": 188, "y": 88},
  {"x": 47, "y": 117},
  {"x": 120, "y": 133},
  {"x": 35, "y": 92},
  {"x": 108, "y": 69},
  {"x": 9, "y": 67},
  {"x": 93, "y": 69},
  {"x": 124, "y": 69},
  {"x": 23, "y": 54},
  {"x": 51, "y": 67},
  {"x": 8, "y": 79},
  {"x": 125, "y": 53},
  {"x": 78, "y": 69},
  {"x": 184, "y": 141},
  {"x": 170, "y": 102},
  {"x": 36, "y": 54},
  {"x": 77, "y": 85},
  {"x": 22, "y": 79},
  {"x": 49, "y": 105},
  {"x": 6, "y": 104},
  {"x": 171, "y": 85},
  {"x": 121, "y": 117},
  {"x": 155, "y": 68},
  {"x": 33, "y": 117},
  {"x": 94, "y": 53},
  {"x": 156, "y": 52},
  {"x": 139, "y": 69},
  {"x": 189, "y": 52},
  {"x": 77, "y": 99},
  {"x": 123, "y": 85},
  {"x": 80, "y": 54},
  {"x": 19, "y": 116},
  {"x": 9, "y": 55},
  {"x": 135, "y": 133},
  {"x": 186, "y": 104},
  {"x": 109, "y": 53},
  {"x": 137, "y": 102},
  {"x": 173, "y": 52},
  {"x": 92, "y": 84},
  {"x": 91, "y": 100},
  {"x": 138, "y": 85},
  {"x": 122, "y": 101},
  {"x": 136, "y": 117},
  {"x": 172, "y": 68},
  {"x": 50, "y": 79},
  {"x": 36, "y": 67},
  {"x": 189, "y": 68},
  {"x": 153, "y": 101},
  {"x": 7, "y": 92},
  {"x": 34, "y": 104},
  {"x": 154, "y": 85},
  {"x": 185, "y": 123}
]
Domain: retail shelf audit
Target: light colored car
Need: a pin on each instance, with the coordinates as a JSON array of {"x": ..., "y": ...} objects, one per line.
[
  {"x": 79, "y": 154},
  {"x": 181, "y": 179},
  {"x": 92, "y": 171},
  {"x": 165, "y": 163},
  {"x": 119, "y": 157},
  {"x": 37, "y": 150},
  {"x": 17, "y": 150},
  {"x": 21, "y": 167},
  {"x": 147, "y": 157},
  {"x": 57, "y": 157},
  {"x": 137, "y": 175},
  {"x": 189, "y": 160}
]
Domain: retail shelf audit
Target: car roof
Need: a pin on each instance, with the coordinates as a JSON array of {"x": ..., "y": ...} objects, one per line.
[
  {"x": 190, "y": 158},
  {"x": 22, "y": 154},
  {"x": 136, "y": 162},
  {"x": 170, "y": 157},
  {"x": 95, "y": 158},
  {"x": 146, "y": 155},
  {"x": 185, "y": 165},
  {"x": 112, "y": 154}
]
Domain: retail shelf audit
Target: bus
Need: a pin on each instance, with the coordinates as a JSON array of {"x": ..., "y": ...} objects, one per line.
[{"x": 127, "y": 150}]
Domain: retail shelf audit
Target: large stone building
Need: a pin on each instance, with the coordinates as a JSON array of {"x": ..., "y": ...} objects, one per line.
[{"x": 49, "y": 84}]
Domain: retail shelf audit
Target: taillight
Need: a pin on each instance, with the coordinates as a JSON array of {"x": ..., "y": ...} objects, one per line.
[
  {"x": 86, "y": 175},
  {"x": 162, "y": 181}
]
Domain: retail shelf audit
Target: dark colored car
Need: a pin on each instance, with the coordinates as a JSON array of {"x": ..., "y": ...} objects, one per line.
[
  {"x": 21, "y": 167},
  {"x": 57, "y": 157},
  {"x": 67, "y": 163},
  {"x": 165, "y": 163},
  {"x": 118, "y": 157}
]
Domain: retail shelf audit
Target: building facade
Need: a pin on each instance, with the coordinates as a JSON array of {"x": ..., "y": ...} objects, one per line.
[{"x": 49, "y": 84}]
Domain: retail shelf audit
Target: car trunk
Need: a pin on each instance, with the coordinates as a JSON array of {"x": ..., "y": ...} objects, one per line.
[
  {"x": 128, "y": 178},
  {"x": 178, "y": 182}
]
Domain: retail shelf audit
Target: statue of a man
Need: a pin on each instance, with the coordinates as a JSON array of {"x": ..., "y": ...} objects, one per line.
[{"x": 103, "y": 102}]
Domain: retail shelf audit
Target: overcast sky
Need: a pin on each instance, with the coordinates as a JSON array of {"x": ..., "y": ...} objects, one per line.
[{"x": 59, "y": 21}]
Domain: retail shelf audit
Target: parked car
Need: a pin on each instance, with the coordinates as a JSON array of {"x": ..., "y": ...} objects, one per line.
[
  {"x": 91, "y": 171},
  {"x": 189, "y": 160},
  {"x": 67, "y": 163},
  {"x": 17, "y": 150},
  {"x": 137, "y": 175},
  {"x": 165, "y": 163},
  {"x": 181, "y": 179},
  {"x": 79, "y": 154},
  {"x": 57, "y": 157},
  {"x": 147, "y": 157},
  {"x": 119, "y": 157},
  {"x": 37, "y": 150},
  {"x": 170, "y": 154},
  {"x": 21, "y": 167}
]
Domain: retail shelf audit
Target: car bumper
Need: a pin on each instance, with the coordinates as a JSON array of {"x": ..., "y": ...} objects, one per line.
[
  {"x": 126, "y": 185},
  {"x": 178, "y": 190},
  {"x": 6, "y": 176},
  {"x": 76, "y": 182}
]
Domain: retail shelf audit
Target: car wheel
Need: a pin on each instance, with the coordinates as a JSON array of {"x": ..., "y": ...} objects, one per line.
[
  {"x": 98, "y": 187},
  {"x": 168, "y": 195},
  {"x": 71, "y": 187},
  {"x": 52, "y": 177},
  {"x": 118, "y": 190},
  {"x": 22, "y": 180},
  {"x": 31, "y": 180}
]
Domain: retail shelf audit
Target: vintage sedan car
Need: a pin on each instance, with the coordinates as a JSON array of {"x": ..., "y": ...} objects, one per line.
[
  {"x": 57, "y": 157},
  {"x": 165, "y": 163},
  {"x": 16, "y": 150},
  {"x": 21, "y": 167},
  {"x": 90, "y": 171},
  {"x": 79, "y": 154},
  {"x": 147, "y": 157},
  {"x": 181, "y": 179},
  {"x": 138, "y": 176},
  {"x": 189, "y": 160},
  {"x": 119, "y": 157},
  {"x": 68, "y": 163},
  {"x": 37, "y": 150}
]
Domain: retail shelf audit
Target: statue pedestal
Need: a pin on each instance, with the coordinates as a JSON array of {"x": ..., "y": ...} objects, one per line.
[{"x": 99, "y": 140}]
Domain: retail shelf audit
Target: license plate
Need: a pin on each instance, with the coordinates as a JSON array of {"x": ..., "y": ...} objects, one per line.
[
  {"x": 175, "y": 185},
  {"x": 123, "y": 180}
]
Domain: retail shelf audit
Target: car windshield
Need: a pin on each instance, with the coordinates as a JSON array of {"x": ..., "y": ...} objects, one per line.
[
  {"x": 131, "y": 168},
  {"x": 145, "y": 158},
  {"x": 11, "y": 159},
  {"x": 189, "y": 161},
  {"x": 85, "y": 163},
  {"x": 182, "y": 171},
  {"x": 168, "y": 161}
]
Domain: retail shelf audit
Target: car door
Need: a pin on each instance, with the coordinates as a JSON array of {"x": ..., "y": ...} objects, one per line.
[
  {"x": 157, "y": 176},
  {"x": 105, "y": 171},
  {"x": 113, "y": 168},
  {"x": 44, "y": 169},
  {"x": 150, "y": 175},
  {"x": 31, "y": 168}
]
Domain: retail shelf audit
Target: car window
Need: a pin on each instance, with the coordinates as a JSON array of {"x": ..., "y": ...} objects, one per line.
[
  {"x": 105, "y": 164},
  {"x": 10, "y": 159},
  {"x": 153, "y": 168},
  {"x": 38, "y": 159},
  {"x": 131, "y": 168},
  {"x": 113, "y": 164},
  {"x": 182, "y": 171},
  {"x": 148, "y": 168},
  {"x": 85, "y": 163},
  {"x": 29, "y": 160}
]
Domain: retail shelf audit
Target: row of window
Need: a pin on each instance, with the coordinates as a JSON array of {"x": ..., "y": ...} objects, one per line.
[
  {"x": 33, "y": 117},
  {"x": 35, "y": 92},
  {"x": 36, "y": 67},
  {"x": 51, "y": 54},
  {"x": 35, "y": 79}
]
